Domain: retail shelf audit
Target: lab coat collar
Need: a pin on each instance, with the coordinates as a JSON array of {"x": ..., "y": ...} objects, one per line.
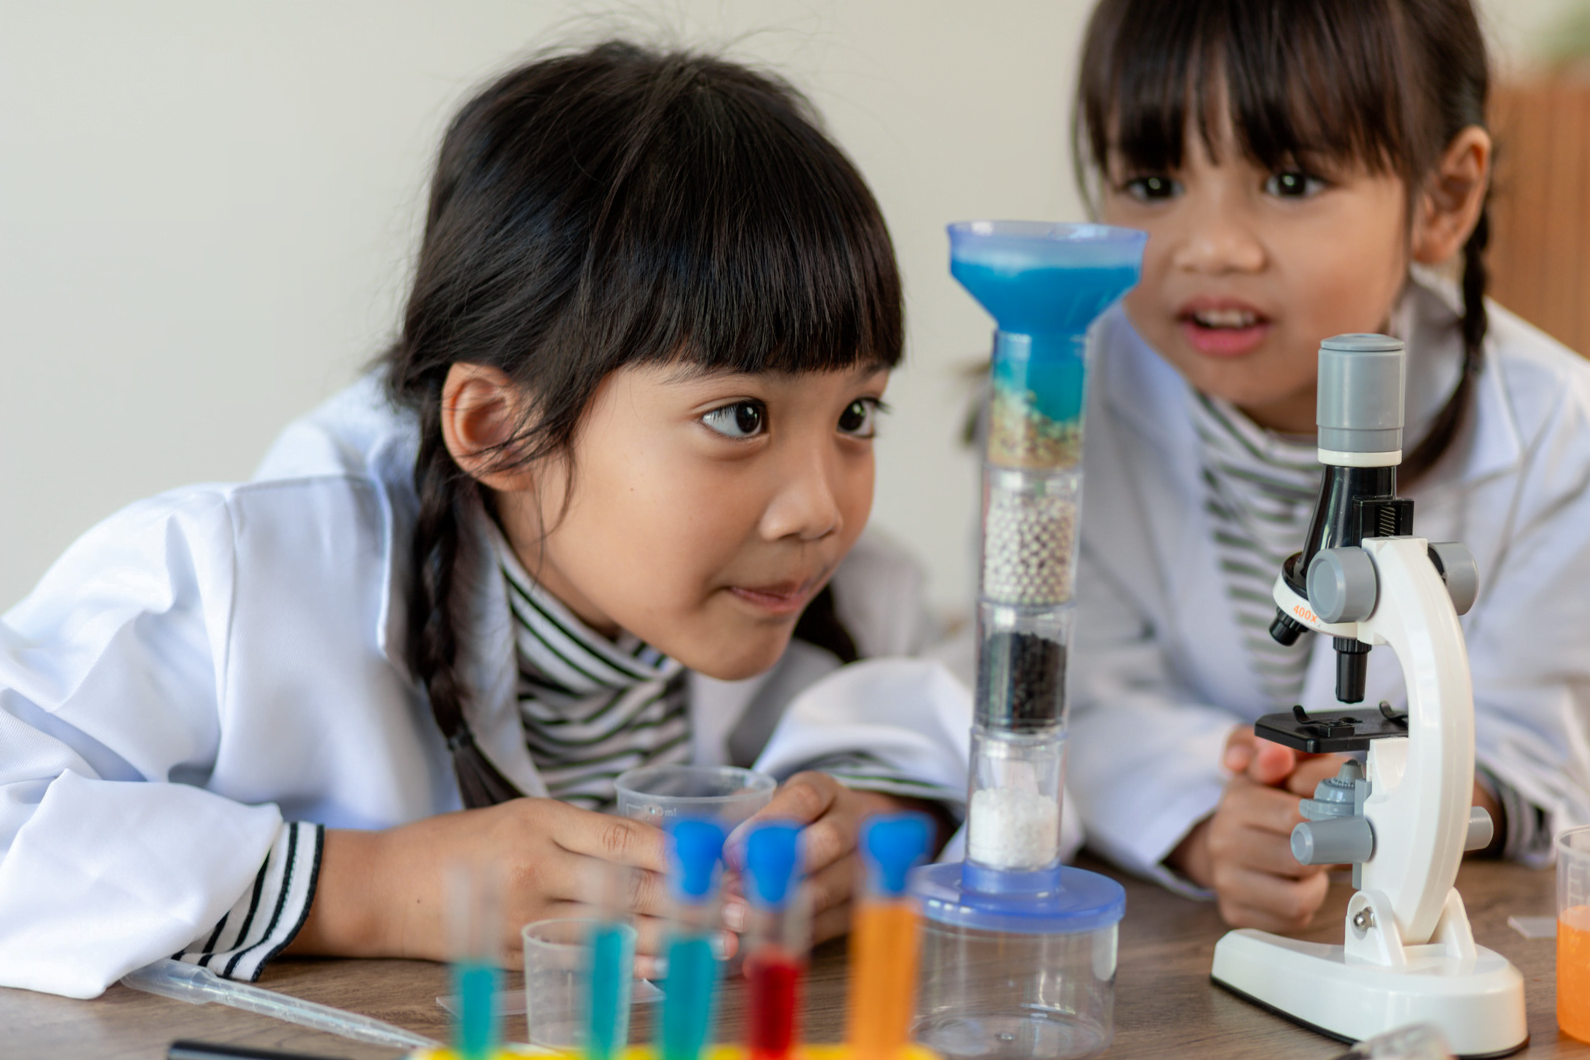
[
  {"x": 1146, "y": 392},
  {"x": 486, "y": 653}
]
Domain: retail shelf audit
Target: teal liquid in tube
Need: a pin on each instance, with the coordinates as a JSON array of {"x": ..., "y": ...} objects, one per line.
[
  {"x": 607, "y": 1012},
  {"x": 475, "y": 1032},
  {"x": 690, "y": 988},
  {"x": 689, "y": 996},
  {"x": 474, "y": 927}
]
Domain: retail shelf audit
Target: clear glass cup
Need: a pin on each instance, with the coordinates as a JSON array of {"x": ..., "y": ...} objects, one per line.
[
  {"x": 1573, "y": 932},
  {"x": 727, "y": 794},
  {"x": 556, "y": 971}
]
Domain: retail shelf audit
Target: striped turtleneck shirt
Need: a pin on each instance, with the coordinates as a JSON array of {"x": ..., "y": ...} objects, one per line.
[
  {"x": 591, "y": 707},
  {"x": 1259, "y": 494}
]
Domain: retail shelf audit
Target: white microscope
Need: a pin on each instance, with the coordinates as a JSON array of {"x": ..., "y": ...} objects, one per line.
[{"x": 1404, "y": 820}]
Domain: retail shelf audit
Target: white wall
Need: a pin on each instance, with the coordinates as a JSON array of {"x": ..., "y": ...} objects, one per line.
[{"x": 207, "y": 211}]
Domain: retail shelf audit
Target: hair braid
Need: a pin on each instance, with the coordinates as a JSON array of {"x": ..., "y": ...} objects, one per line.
[
  {"x": 444, "y": 490},
  {"x": 1472, "y": 326}
]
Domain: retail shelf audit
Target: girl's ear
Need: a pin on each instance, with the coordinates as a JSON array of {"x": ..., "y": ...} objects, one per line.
[
  {"x": 1450, "y": 206},
  {"x": 481, "y": 410}
]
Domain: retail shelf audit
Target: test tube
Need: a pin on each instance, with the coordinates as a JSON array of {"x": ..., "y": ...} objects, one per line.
[
  {"x": 776, "y": 939},
  {"x": 884, "y": 937},
  {"x": 474, "y": 926},
  {"x": 690, "y": 985},
  {"x": 610, "y": 955}
]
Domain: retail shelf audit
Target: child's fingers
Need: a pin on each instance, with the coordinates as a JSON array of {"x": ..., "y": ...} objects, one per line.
[
  {"x": 1261, "y": 807},
  {"x": 1267, "y": 852},
  {"x": 1254, "y": 899},
  {"x": 803, "y": 798},
  {"x": 653, "y": 962},
  {"x": 1239, "y": 749},
  {"x": 1271, "y": 762},
  {"x": 612, "y": 839},
  {"x": 1310, "y": 771},
  {"x": 831, "y": 887},
  {"x": 830, "y": 924}
]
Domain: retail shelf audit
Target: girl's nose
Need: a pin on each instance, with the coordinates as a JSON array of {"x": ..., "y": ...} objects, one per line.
[
  {"x": 805, "y": 504},
  {"x": 1220, "y": 240}
]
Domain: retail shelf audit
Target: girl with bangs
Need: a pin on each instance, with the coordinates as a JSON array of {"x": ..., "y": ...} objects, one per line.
[
  {"x": 1305, "y": 170},
  {"x": 594, "y": 509}
]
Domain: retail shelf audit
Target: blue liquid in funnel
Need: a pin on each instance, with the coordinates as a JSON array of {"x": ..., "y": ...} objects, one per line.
[
  {"x": 1044, "y": 285},
  {"x": 1051, "y": 300}
]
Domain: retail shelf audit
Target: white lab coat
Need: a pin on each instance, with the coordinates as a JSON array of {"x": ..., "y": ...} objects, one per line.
[
  {"x": 1160, "y": 674},
  {"x": 211, "y": 662}
]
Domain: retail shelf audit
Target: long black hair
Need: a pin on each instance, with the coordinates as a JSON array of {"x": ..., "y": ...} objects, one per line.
[
  {"x": 609, "y": 207},
  {"x": 1383, "y": 83}
]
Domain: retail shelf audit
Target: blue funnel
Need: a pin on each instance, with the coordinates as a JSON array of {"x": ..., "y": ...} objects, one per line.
[{"x": 1044, "y": 284}]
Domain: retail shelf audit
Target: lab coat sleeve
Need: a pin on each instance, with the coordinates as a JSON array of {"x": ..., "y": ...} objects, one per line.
[
  {"x": 1143, "y": 763},
  {"x": 270, "y": 913},
  {"x": 112, "y": 854},
  {"x": 910, "y": 716},
  {"x": 1529, "y": 636}
]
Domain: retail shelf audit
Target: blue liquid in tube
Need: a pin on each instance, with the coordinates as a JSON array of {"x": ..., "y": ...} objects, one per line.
[{"x": 688, "y": 998}]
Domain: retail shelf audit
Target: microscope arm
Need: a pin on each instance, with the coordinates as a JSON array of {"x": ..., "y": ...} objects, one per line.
[
  {"x": 1421, "y": 788},
  {"x": 1389, "y": 591}
]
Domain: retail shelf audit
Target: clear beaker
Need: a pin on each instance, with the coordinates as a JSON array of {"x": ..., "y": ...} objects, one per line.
[
  {"x": 557, "y": 970},
  {"x": 726, "y": 794}
]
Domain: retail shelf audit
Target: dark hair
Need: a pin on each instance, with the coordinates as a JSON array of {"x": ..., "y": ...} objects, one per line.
[
  {"x": 1383, "y": 83},
  {"x": 610, "y": 207}
]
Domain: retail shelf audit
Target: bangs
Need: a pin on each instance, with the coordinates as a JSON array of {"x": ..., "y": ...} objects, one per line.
[
  {"x": 1315, "y": 84},
  {"x": 743, "y": 244},
  {"x": 621, "y": 206}
]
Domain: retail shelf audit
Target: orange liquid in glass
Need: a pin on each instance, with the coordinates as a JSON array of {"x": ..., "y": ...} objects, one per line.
[
  {"x": 883, "y": 961},
  {"x": 1573, "y": 971}
]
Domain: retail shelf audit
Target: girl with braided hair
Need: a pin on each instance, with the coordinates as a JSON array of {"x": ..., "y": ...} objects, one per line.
[
  {"x": 1305, "y": 169},
  {"x": 594, "y": 509}
]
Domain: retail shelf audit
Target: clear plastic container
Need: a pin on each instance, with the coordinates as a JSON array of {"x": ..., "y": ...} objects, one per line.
[
  {"x": 1016, "y": 965},
  {"x": 726, "y": 794}
]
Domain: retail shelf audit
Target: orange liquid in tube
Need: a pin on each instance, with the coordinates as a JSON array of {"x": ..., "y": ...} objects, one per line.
[
  {"x": 885, "y": 945},
  {"x": 884, "y": 948}
]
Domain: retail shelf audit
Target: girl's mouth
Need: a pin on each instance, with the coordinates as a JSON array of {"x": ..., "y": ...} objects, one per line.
[
  {"x": 782, "y": 598},
  {"x": 1223, "y": 330}
]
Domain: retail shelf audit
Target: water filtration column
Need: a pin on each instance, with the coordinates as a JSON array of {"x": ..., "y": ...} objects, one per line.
[
  {"x": 1044, "y": 285},
  {"x": 1051, "y": 929}
]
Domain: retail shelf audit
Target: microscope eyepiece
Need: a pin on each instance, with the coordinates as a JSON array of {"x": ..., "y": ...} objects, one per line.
[{"x": 1359, "y": 407}]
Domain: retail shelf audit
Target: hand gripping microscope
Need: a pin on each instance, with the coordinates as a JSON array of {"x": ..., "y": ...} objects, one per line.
[{"x": 1403, "y": 819}]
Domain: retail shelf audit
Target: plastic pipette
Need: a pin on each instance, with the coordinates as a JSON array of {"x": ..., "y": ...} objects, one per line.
[
  {"x": 692, "y": 980},
  {"x": 776, "y": 940},
  {"x": 884, "y": 943},
  {"x": 200, "y": 986}
]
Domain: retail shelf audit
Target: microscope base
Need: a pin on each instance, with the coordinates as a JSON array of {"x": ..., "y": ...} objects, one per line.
[{"x": 1478, "y": 1004}]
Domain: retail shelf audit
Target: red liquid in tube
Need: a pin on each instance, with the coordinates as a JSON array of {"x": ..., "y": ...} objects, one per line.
[{"x": 773, "y": 987}]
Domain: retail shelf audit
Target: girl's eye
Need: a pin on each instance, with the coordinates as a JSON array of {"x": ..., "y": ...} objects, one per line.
[
  {"x": 860, "y": 418},
  {"x": 1153, "y": 188},
  {"x": 1293, "y": 184},
  {"x": 743, "y": 419}
]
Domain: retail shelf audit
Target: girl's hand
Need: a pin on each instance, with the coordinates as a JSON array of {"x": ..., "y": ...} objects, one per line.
[
  {"x": 1243, "y": 851},
  {"x": 383, "y": 894},
  {"x": 832, "y": 816}
]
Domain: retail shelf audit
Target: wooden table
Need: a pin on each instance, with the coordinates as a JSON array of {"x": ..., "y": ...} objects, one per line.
[{"x": 1165, "y": 1005}]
